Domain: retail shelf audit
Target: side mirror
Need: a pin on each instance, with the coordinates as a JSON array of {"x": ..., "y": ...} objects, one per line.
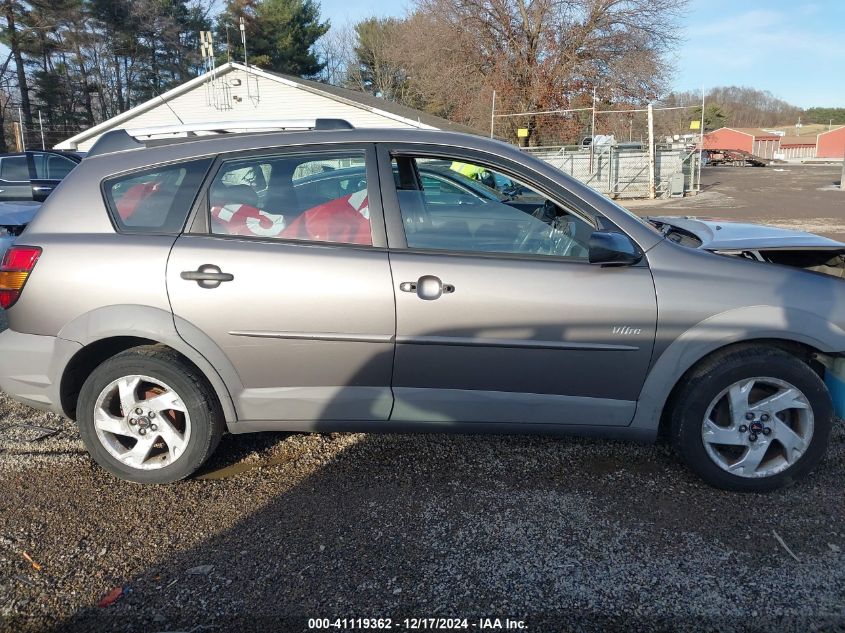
[{"x": 613, "y": 249}]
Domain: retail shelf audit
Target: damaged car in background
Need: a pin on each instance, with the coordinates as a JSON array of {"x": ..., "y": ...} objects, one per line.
[{"x": 756, "y": 242}]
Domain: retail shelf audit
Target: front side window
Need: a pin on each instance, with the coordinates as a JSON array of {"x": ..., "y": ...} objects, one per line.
[
  {"x": 155, "y": 200},
  {"x": 316, "y": 197},
  {"x": 456, "y": 205}
]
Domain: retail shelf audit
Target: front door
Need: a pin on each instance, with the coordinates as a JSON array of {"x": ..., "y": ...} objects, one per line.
[
  {"x": 14, "y": 178},
  {"x": 500, "y": 317},
  {"x": 289, "y": 282}
]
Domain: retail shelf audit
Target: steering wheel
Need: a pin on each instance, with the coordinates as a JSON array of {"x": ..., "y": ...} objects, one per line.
[{"x": 537, "y": 228}]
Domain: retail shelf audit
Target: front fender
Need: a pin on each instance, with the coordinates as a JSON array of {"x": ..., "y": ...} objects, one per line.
[{"x": 740, "y": 325}]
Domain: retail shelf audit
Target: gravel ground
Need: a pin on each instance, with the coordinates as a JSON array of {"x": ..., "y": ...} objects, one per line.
[
  {"x": 566, "y": 534},
  {"x": 563, "y": 534}
]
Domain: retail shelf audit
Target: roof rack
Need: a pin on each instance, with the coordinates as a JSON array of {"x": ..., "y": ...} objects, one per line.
[{"x": 134, "y": 138}]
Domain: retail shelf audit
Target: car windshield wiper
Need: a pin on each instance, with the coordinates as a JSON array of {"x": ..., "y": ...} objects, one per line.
[{"x": 664, "y": 227}]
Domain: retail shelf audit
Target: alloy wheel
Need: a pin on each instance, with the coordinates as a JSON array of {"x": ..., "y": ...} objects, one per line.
[
  {"x": 142, "y": 422},
  {"x": 757, "y": 427}
]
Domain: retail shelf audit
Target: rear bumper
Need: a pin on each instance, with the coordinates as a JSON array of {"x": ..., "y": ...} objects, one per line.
[{"x": 31, "y": 368}]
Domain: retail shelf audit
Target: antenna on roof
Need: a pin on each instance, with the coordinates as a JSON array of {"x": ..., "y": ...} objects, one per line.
[
  {"x": 216, "y": 89},
  {"x": 248, "y": 72},
  {"x": 228, "y": 45},
  {"x": 207, "y": 50},
  {"x": 243, "y": 41}
]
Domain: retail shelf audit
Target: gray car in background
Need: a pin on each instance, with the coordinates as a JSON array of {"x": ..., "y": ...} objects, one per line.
[{"x": 221, "y": 282}]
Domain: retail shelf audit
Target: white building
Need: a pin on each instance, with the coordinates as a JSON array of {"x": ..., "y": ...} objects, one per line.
[{"x": 237, "y": 92}]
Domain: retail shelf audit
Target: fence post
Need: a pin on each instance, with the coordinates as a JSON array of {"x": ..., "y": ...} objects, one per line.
[
  {"x": 493, "y": 115},
  {"x": 41, "y": 127},
  {"x": 842, "y": 177},
  {"x": 16, "y": 128},
  {"x": 22, "y": 130},
  {"x": 593, "y": 133},
  {"x": 652, "y": 188}
]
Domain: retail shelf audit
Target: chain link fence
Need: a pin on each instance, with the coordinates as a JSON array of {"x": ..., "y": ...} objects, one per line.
[
  {"x": 609, "y": 150},
  {"x": 624, "y": 173},
  {"x": 19, "y": 137}
]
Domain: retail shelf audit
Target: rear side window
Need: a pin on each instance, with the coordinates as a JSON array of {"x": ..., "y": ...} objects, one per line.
[
  {"x": 14, "y": 169},
  {"x": 321, "y": 196},
  {"x": 155, "y": 200},
  {"x": 52, "y": 166}
]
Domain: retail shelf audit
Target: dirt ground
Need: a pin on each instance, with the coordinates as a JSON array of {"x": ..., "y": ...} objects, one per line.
[
  {"x": 559, "y": 534},
  {"x": 805, "y": 197}
]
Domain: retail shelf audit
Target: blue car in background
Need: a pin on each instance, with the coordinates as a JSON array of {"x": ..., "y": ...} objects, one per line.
[{"x": 26, "y": 179}]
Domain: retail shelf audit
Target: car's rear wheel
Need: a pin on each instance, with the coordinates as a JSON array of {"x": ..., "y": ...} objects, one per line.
[
  {"x": 753, "y": 419},
  {"x": 147, "y": 416}
]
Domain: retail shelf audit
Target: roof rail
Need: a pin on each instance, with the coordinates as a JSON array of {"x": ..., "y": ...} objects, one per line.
[{"x": 134, "y": 138}]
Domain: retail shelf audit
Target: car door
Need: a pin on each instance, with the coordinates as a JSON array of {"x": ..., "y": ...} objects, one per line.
[
  {"x": 499, "y": 315},
  {"x": 48, "y": 169},
  {"x": 292, "y": 282},
  {"x": 15, "y": 177}
]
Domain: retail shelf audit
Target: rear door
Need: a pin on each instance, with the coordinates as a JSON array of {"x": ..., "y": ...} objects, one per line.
[
  {"x": 288, "y": 274},
  {"x": 500, "y": 317},
  {"x": 48, "y": 169}
]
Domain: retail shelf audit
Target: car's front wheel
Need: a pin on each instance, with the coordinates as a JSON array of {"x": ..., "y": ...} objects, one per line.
[
  {"x": 753, "y": 419},
  {"x": 147, "y": 416}
]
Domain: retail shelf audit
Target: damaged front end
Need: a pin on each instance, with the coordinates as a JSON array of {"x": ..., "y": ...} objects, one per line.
[{"x": 826, "y": 261}]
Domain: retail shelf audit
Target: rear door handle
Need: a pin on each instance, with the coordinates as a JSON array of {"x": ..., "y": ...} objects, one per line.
[
  {"x": 41, "y": 188},
  {"x": 427, "y": 287},
  {"x": 207, "y": 276}
]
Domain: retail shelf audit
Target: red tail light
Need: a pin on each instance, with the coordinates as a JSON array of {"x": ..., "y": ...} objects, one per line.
[{"x": 14, "y": 271}]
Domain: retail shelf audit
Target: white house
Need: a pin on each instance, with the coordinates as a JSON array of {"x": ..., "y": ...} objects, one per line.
[{"x": 237, "y": 92}]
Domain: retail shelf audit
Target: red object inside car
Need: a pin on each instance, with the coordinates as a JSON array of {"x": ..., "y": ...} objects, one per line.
[
  {"x": 130, "y": 200},
  {"x": 340, "y": 220},
  {"x": 334, "y": 221}
]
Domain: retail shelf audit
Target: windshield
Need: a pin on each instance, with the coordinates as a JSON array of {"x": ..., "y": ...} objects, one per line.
[
  {"x": 478, "y": 187},
  {"x": 634, "y": 216}
]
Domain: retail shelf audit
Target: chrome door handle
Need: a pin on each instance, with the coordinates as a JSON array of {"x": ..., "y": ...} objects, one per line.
[
  {"x": 427, "y": 287},
  {"x": 207, "y": 276},
  {"x": 41, "y": 188}
]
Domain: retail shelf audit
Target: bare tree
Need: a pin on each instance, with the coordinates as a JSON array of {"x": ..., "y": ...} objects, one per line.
[
  {"x": 536, "y": 54},
  {"x": 336, "y": 49}
]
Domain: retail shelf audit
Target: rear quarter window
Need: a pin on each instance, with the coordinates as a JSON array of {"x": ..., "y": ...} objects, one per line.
[{"x": 156, "y": 200}]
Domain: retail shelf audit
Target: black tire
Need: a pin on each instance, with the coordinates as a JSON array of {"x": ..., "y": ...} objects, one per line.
[
  {"x": 207, "y": 421},
  {"x": 705, "y": 382}
]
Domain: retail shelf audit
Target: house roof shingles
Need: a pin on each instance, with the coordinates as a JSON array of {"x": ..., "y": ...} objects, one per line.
[{"x": 371, "y": 101}]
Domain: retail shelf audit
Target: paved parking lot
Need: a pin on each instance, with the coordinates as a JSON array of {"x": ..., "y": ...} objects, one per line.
[
  {"x": 564, "y": 534},
  {"x": 805, "y": 197}
]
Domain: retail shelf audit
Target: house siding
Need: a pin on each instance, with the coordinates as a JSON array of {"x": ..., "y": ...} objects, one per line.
[{"x": 276, "y": 100}]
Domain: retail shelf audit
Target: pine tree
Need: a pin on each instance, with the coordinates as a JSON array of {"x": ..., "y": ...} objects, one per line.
[{"x": 281, "y": 34}]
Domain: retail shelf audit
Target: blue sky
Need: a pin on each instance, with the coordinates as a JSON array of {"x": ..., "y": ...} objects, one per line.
[{"x": 793, "y": 48}]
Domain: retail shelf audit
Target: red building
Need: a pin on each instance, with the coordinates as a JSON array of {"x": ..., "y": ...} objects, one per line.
[
  {"x": 752, "y": 140},
  {"x": 831, "y": 144},
  {"x": 798, "y": 147}
]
